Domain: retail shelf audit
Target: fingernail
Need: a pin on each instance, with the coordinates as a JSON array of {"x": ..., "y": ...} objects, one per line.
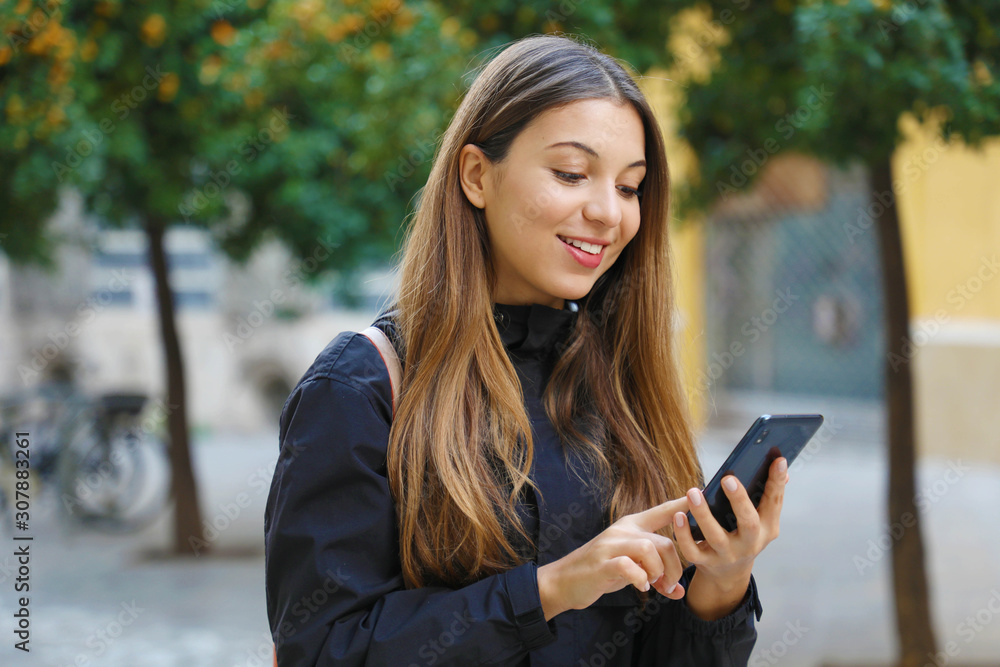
[
  {"x": 646, "y": 587},
  {"x": 671, "y": 588},
  {"x": 729, "y": 483},
  {"x": 782, "y": 465},
  {"x": 694, "y": 495},
  {"x": 679, "y": 520}
]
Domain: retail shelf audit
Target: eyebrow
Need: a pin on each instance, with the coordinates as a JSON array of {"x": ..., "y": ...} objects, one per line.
[{"x": 587, "y": 149}]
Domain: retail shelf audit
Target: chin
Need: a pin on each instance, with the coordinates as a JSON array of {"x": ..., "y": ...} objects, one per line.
[{"x": 574, "y": 292}]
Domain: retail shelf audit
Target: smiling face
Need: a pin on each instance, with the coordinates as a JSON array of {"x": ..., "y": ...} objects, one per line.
[{"x": 569, "y": 179}]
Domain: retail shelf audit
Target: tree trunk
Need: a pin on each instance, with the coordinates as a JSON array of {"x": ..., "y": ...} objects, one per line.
[
  {"x": 913, "y": 619},
  {"x": 188, "y": 536}
]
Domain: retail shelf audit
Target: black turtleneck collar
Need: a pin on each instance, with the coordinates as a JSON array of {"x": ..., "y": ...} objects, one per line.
[
  {"x": 533, "y": 327},
  {"x": 525, "y": 329}
]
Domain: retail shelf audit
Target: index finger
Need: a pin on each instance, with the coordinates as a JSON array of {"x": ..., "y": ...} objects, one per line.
[{"x": 659, "y": 516}]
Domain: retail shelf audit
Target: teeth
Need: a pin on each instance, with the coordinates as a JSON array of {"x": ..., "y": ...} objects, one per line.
[{"x": 592, "y": 248}]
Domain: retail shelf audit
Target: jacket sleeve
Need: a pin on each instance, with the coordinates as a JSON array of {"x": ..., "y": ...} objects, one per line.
[
  {"x": 672, "y": 635},
  {"x": 333, "y": 580}
]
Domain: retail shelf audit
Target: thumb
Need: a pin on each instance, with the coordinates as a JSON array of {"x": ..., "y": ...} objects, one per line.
[{"x": 659, "y": 516}]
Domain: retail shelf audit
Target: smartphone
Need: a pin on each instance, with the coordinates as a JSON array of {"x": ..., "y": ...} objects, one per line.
[{"x": 770, "y": 437}]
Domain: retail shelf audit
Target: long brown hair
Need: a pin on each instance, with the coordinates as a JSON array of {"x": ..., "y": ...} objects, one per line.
[{"x": 460, "y": 447}]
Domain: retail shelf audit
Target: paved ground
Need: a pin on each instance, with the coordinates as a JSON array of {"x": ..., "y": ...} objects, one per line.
[{"x": 109, "y": 601}]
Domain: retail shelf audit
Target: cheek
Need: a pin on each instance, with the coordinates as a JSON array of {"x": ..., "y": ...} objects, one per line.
[
  {"x": 531, "y": 209},
  {"x": 630, "y": 226},
  {"x": 545, "y": 204}
]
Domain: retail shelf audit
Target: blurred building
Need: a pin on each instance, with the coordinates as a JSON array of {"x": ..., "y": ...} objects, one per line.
[
  {"x": 247, "y": 332},
  {"x": 781, "y": 295}
]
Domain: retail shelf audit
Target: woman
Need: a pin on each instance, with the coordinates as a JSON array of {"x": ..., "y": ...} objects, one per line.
[{"x": 527, "y": 505}]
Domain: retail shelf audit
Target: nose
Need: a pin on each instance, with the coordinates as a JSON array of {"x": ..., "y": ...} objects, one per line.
[{"x": 604, "y": 205}]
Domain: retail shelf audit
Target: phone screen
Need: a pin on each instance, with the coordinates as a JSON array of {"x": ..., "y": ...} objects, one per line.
[{"x": 770, "y": 437}]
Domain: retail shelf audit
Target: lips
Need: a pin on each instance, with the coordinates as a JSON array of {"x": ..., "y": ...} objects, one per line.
[{"x": 586, "y": 259}]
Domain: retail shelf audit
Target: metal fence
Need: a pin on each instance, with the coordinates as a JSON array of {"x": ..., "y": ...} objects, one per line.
[{"x": 793, "y": 300}]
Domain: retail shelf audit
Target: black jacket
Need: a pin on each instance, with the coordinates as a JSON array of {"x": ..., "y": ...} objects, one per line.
[{"x": 335, "y": 593}]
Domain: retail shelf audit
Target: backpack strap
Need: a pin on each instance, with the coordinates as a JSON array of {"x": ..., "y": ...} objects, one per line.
[{"x": 389, "y": 357}]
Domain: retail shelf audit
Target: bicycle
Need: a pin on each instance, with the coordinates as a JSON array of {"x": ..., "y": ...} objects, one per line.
[{"x": 102, "y": 456}]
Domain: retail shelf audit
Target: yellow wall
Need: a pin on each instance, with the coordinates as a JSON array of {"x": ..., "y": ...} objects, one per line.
[
  {"x": 688, "y": 253},
  {"x": 950, "y": 216}
]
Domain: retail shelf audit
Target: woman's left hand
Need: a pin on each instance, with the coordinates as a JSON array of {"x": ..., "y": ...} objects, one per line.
[{"x": 723, "y": 559}]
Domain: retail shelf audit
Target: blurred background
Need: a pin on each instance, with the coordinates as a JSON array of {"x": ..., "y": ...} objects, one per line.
[{"x": 197, "y": 196}]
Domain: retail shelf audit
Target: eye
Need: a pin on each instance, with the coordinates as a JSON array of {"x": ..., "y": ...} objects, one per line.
[
  {"x": 573, "y": 178},
  {"x": 629, "y": 193}
]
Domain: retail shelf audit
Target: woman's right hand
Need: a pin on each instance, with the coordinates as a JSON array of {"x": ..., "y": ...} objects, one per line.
[{"x": 628, "y": 552}]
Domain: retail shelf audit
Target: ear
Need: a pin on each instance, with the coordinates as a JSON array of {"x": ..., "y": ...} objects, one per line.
[{"x": 472, "y": 168}]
